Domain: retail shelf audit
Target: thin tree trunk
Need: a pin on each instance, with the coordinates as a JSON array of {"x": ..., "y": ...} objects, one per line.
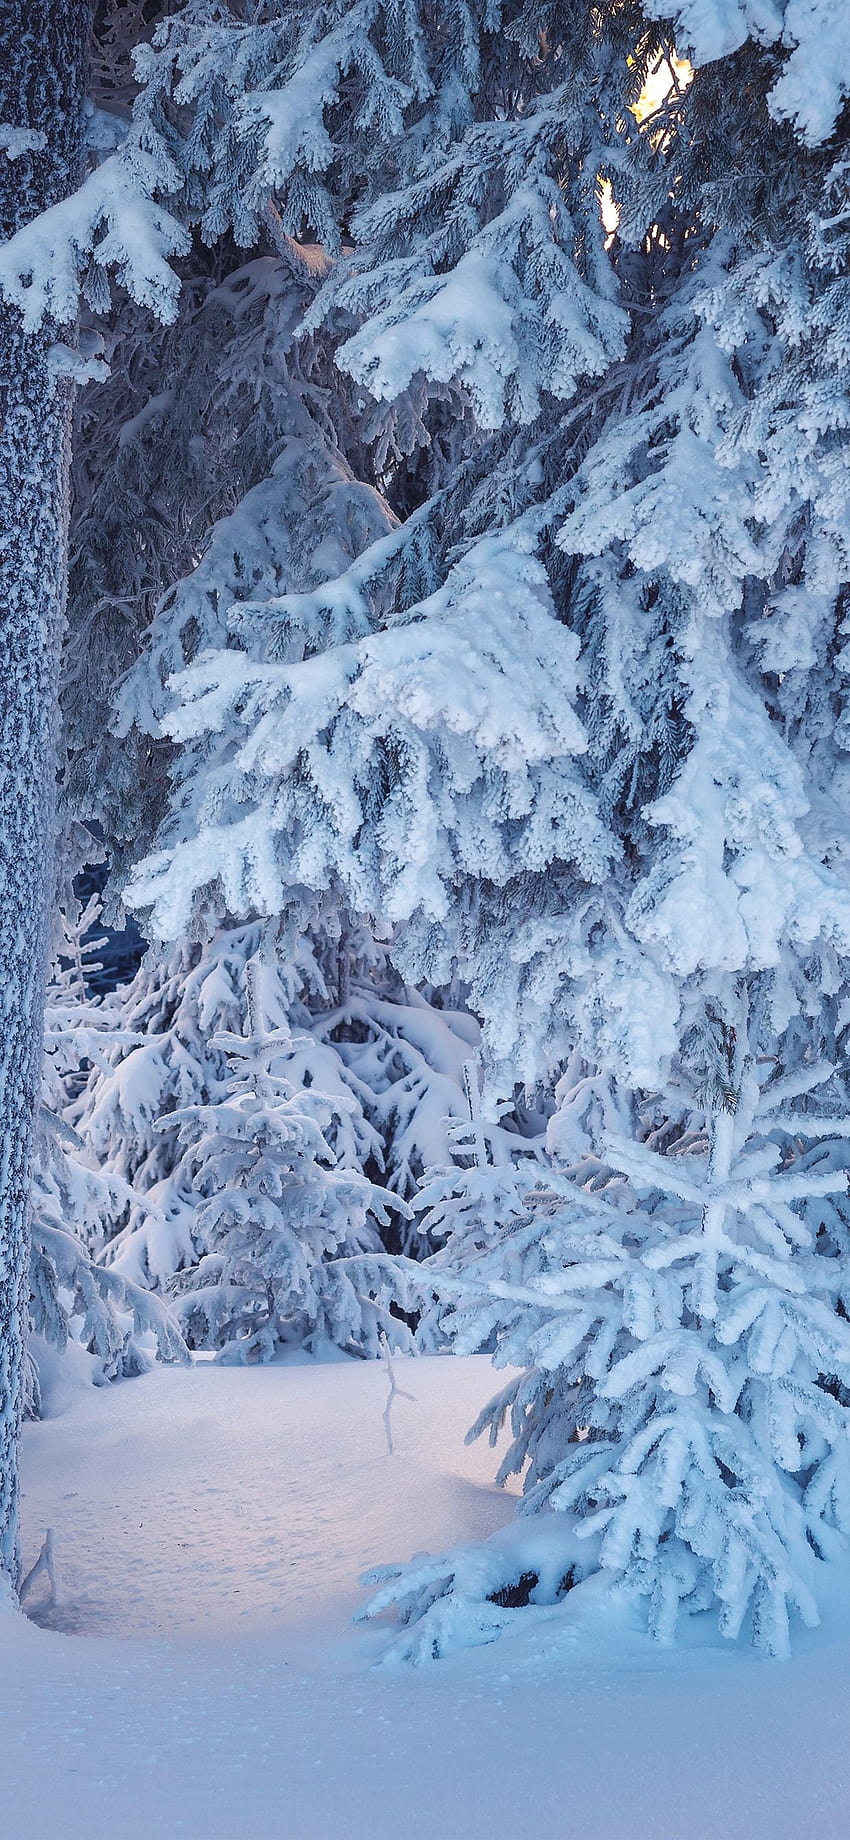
[{"x": 43, "y": 45}]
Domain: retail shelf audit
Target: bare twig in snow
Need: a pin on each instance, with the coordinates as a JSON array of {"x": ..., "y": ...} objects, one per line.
[{"x": 395, "y": 1391}]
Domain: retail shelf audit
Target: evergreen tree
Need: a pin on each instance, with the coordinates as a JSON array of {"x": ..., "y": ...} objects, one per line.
[
  {"x": 261, "y": 402},
  {"x": 168, "y": 1061},
  {"x": 52, "y": 216},
  {"x": 512, "y": 678},
  {"x": 289, "y": 1254},
  {"x": 41, "y": 105},
  {"x": 685, "y": 1400},
  {"x": 76, "y": 1203},
  {"x": 682, "y": 899}
]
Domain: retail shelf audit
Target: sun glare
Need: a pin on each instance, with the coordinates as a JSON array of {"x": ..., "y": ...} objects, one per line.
[
  {"x": 669, "y": 77},
  {"x": 609, "y": 210}
]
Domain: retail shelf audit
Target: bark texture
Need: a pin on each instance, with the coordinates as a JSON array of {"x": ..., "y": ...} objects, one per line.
[{"x": 43, "y": 47}]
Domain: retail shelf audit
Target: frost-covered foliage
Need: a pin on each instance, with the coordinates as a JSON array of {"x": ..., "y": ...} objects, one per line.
[
  {"x": 111, "y": 223},
  {"x": 109, "y": 220},
  {"x": 202, "y": 474},
  {"x": 161, "y": 1059},
  {"x": 504, "y": 683},
  {"x": 408, "y": 1063},
  {"x": 289, "y": 1249},
  {"x": 415, "y": 774},
  {"x": 76, "y": 1203},
  {"x": 469, "y": 757},
  {"x": 389, "y": 1063},
  {"x": 811, "y": 74},
  {"x": 679, "y": 1302},
  {"x": 78, "y": 1026},
  {"x": 233, "y": 1189},
  {"x": 478, "y": 258},
  {"x": 684, "y": 1307}
]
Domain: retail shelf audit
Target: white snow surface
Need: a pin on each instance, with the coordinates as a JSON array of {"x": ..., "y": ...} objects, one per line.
[{"x": 202, "y": 1678}]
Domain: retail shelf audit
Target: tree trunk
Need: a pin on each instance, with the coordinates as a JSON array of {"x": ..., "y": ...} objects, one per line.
[{"x": 43, "y": 45}]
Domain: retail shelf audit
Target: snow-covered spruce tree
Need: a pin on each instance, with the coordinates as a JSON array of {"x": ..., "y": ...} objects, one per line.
[
  {"x": 591, "y": 858},
  {"x": 685, "y": 1406},
  {"x": 77, "y": 1205},
  {"x": 176, "y": 1012},
  {"x": 460, "y": 819},
  {"x": 266, "y": 415},
  {"x": 289, "y": 1254},
  {"x": 691, "y": 875},
  {"x": 683, "y": 1332}
]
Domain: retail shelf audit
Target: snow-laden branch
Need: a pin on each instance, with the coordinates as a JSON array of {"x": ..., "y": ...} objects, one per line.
[{"x": 112, "y": 223}]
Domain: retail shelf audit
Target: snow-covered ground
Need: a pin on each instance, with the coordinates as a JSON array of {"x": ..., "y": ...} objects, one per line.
[{"x": 207, "y": 1682}]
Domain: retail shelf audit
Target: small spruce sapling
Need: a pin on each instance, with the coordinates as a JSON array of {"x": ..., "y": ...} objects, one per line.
[
  {"x": 292, "y": 1256},
  {"x": 687, "y": 1362},
  {"x": 75, "y": 1202}
]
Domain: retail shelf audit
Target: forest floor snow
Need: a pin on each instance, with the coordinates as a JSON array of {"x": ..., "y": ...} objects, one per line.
[{"x": 201, "y": 1678}]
